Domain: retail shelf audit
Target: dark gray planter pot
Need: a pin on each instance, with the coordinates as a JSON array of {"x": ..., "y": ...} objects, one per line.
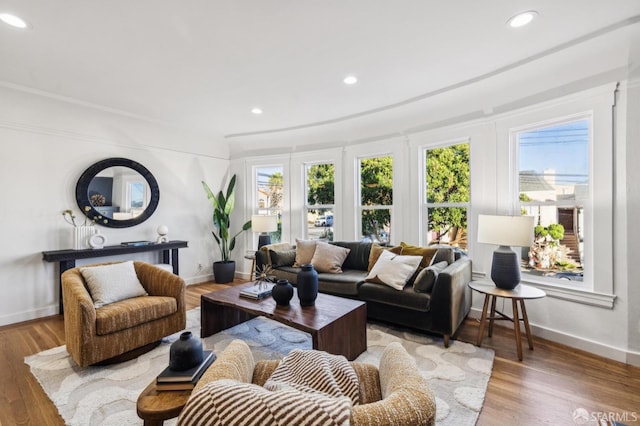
[{"x": 224, "y": 272}]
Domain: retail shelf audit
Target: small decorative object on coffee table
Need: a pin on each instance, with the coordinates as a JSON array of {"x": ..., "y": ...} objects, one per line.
[
  {"x": 282, "y": 292},
  {"x": 185, "y": 353},
  {"x": 307, "y": 284}
]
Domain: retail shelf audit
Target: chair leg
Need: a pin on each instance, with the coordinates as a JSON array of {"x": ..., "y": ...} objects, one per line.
[{"x": 446, "y": 340}]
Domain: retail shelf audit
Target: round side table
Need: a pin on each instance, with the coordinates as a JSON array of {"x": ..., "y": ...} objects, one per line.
[{"x": 519, "y": 294}]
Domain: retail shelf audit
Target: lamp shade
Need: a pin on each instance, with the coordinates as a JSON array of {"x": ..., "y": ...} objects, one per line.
[
  {"x": 264, "y": 223},
  {"x": 505, "y": 230}
]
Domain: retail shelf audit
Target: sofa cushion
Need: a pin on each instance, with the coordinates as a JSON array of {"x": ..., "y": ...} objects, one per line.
[
  {"x": 282, "y": 257},
  {"x": 444, "y": 254},
  {"x": 427, "y": 253},
  {"x": 405, "y": 298},
  {"x": 304, "y": 251},
  {"x": 427, "y": 277},
  {"x": 275, "y": 247},
  {"x": 132, "y": 312},
  {"x": 393, "y": 270},
  {"x": 344, "y": 284},
  {"x": 112, "y": 283},
  {"x": 375, "y": 252},
  {"x": 358, "y": 257},
  {"x": 455, "y": 251},
  {"x": 329, "y": 258}
]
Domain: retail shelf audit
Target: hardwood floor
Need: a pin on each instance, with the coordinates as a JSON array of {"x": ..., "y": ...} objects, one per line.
[{"x": 545, "y": 388}]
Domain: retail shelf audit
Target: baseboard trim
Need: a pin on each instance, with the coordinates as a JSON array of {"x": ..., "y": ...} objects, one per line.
[
  {"x": 199, "y": 279},
  {"x": 587, "y": 345},
  {"x": 23, "y": 316}
]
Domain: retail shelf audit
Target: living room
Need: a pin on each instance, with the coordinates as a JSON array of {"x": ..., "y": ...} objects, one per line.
[{"x": 66, "y": 104}]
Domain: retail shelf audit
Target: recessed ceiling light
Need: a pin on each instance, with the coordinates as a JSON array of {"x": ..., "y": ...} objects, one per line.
[
  {"x": 13, "y": 20},
  {"x": 522, "y": 18},
  {"x": 350, "y": 79},
  {"x": 256, "y": 110}
]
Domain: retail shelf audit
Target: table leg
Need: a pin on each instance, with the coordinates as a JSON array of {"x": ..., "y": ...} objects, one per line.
[
  {"x": 483, "y": 319},
  {"x": 525, "y": 319},
  {"x": 174, "y": 261},
  {"x": 516, "y": 327},
  {"x": 64, "y": 265},
  {"x": 493, "y": 315}
]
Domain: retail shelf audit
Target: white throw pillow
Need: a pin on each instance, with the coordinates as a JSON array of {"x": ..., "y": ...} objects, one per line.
[
  {"x": 112, "y": 283},
  {"x": 304, "y": 252},
  {"x": 393, "y": 270},
  {"x": 329, "y": 258}
]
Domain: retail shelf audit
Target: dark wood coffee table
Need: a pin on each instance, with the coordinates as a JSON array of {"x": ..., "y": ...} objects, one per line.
[{"x": 337, "y": 325}]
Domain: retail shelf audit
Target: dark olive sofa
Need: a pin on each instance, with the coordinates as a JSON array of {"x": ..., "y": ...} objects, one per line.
[{"x": 440, "y": 311}]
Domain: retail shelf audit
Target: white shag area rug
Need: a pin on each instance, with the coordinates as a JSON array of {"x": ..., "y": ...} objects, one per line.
[{"x": 107, "y": 395}]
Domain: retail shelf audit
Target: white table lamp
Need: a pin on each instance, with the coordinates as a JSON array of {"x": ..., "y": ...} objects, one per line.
[
  {"x": 505, "y": 231},
  {"x": 264, "y": 224}
]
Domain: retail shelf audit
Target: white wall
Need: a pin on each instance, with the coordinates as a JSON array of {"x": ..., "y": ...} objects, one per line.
[{"x": 45, "y": 146}]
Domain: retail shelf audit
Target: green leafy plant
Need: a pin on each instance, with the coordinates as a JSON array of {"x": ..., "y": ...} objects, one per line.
[{"x": 222, "y": 207}]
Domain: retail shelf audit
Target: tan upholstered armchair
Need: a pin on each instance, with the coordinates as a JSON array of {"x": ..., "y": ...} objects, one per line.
[
  {"x": 94, "y": 335},
  {"x": 393, "y": 394}
]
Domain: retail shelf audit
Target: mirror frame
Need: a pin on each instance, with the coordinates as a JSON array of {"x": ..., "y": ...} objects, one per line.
[{"x": 82, "y": 192}]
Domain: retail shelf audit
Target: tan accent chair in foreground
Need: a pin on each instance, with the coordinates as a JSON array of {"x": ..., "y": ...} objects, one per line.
[
  {"x": 394, "y": 394},
  {"x": 95, "y": 335}
]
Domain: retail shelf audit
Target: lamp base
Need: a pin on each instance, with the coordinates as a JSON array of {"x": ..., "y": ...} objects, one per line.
[
  {"x": 263, "y": 240},
  {"x": 505, "y": 268}
]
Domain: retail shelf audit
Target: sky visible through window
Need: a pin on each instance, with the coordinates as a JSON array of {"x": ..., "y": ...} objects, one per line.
[{"x": 563, "y": 148}]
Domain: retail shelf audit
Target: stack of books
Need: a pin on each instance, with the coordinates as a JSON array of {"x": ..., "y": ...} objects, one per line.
[
  {"x": 257, "y": 291},
  {"x": 184, "y": 380}
]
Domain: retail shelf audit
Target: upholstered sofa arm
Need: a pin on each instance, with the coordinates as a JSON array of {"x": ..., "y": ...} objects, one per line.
[
  {"x": 234, "y": 363},
  {"x": 406, "y": 397},
  {"x": 79, "y": 312},
  {"x": 159, "y": 282},
  {"x": 451, "y": 296}
]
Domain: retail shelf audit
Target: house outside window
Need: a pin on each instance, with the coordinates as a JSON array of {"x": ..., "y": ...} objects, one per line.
[
  {"x": 269, "y": 195},
  {"x": 376, "y": 198},
  {"x": 319, "y": 200},
  {"x": 447, "y": 194},
  {"x": 554, "y": 187}
]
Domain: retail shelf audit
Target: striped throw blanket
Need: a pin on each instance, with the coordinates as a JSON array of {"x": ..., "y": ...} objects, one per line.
[{"x": 307, "y": 388}]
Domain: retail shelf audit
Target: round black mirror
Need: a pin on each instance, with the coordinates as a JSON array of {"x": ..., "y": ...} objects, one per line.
[{"x": 117, "y": 193}]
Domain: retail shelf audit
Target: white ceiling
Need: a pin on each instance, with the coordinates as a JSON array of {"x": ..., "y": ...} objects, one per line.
[{"x": 203, "y": 64}]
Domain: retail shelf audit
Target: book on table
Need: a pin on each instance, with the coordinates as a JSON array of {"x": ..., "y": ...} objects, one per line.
[
  {"x": 257, "y": 291},
  {"x": 170, "y": 379}
]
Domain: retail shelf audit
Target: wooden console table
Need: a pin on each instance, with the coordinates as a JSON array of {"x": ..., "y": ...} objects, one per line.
[{"x": 67, "y": 258}]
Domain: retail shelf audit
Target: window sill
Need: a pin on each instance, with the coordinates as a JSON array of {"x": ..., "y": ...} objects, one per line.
[{"x": 570, "y": 294}]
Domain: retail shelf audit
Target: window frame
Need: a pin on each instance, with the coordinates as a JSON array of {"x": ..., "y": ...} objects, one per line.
[
  {"x": 306, "y": 206},
  {"x": 358, "y": 187},
  {"x": 425, "y": 205},
  {"x": 597, "y": 289}
]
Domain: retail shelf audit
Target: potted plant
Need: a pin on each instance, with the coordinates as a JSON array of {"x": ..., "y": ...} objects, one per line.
[{"x": 224, "y": 270}]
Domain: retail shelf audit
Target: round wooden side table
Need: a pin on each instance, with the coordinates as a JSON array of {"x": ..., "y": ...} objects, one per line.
[{"x": 521, "y": 293}]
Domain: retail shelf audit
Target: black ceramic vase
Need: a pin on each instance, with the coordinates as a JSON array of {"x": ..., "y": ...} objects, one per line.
[
  {"x": 186, "y": 352},
  {"x": 307, "y": 285},
  {"x": 282, "y": 292}
]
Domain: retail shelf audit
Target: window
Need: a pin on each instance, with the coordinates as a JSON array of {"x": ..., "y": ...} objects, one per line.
[
  {"x": 269, "y": 193},
  {"x": 320, "y": 200},
  {"x": 447, "y": 194},
  {"x": 376, "y": 198},
  {"x": 553, "y": 187}
]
